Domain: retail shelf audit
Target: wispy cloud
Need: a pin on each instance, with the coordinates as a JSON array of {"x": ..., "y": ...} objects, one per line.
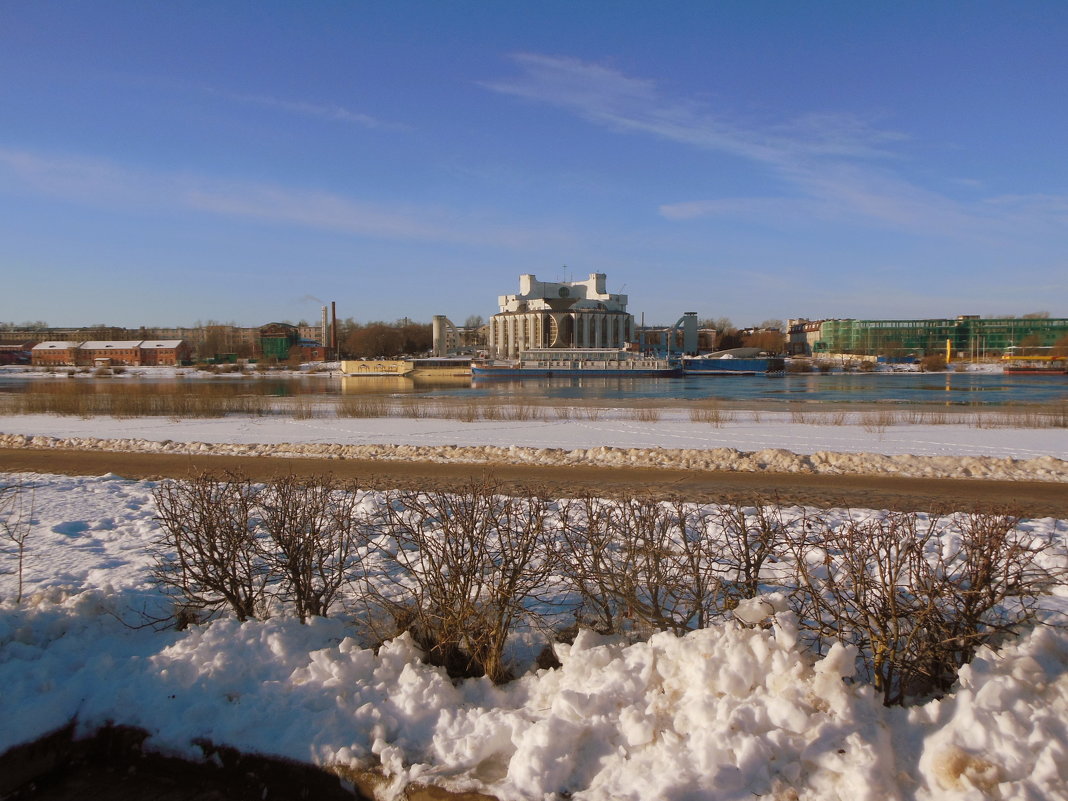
[
  {"x": 606, "y": 96},
  {"x": 102, "y": 183},
  {"x": 832, "y": 166},
  {"x": 326, "y": 111}
]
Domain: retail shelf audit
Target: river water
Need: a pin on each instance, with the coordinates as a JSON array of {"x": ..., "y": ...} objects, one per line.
[{"x": 950, "y": 389}]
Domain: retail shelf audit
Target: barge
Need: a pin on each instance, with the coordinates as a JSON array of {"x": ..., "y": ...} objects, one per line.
[{"x": 589, "y": 362}]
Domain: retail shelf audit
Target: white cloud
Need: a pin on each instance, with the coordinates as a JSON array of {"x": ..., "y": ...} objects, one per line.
[
  {"x": 833, "y": 166},
  {"x": 606, "y": 96},
  {"x": 326, "y": 111},
  {"x": 102, "y": 183}
]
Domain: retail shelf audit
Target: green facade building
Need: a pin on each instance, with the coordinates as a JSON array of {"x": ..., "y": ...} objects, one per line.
[{"x": 980, "y": 336}]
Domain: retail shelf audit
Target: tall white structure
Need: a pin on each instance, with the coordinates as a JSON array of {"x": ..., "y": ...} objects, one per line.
[{"x": 570, "y": 314}]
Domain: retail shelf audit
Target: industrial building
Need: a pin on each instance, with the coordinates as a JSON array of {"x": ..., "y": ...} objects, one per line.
[
  {"x": 967, "y": 335},
  {"x": 107, "y": 353},
  {"x": 567, "y": 314}
]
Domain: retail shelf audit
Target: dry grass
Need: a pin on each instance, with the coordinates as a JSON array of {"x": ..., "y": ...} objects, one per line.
[
  {"x": 137, "y": 400},
  {"x": 362, "y": 406},
  {"x": 645, "y": 414},
  {"x": 710, "y": 413}
]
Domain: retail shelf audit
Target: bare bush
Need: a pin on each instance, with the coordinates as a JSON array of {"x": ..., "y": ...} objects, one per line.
[
  {"x": 590, "y": 560},
  {"x": 989, "y": 579},
  {"x": 472, "y": 562},
  {"x": 915, "y": 609},
  {"x": 315, "y": 529},
  {"x": 933, "y": 363},
  {"x": 208, "y": 553},
  {"x": 638, "y": 565},
  {"x": 751, "y": 535},
  {"x": 16, "y": 524}
]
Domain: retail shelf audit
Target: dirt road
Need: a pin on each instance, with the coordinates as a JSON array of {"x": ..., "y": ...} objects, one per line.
[{"x": 1029, "y": 498}]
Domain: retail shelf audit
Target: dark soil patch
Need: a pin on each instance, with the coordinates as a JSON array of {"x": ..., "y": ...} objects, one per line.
[{"x": 1027, "y": 498}]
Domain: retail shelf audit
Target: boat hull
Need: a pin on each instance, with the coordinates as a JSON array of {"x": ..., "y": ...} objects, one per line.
[
  {"x": 563, "y": 372},
  {"x": 761, "y": 366}
]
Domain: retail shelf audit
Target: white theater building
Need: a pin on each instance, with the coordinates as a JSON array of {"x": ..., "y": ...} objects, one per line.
[{"x": 570, "y": 314}]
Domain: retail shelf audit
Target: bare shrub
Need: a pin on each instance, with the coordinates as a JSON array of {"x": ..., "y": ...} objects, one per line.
[
  {"x": 208, "y": 554},
  {"x": 915, "y": 609},
  {"x": 988, "y": 582},
  {"x": 638, "y": 565},
  {"x": 16, "y": 523},
  {"x": 933, "y": 363},
  {"x": 590, "y": 561},
  {"x": 751, "y": 535},
  {"x": 315, "y": 528},
  {"x": 675, "y": 583},
  {"x": 855, "y": 588},
  {"x": 563, "y": 412},
  {"x": 472, "y": 561}
]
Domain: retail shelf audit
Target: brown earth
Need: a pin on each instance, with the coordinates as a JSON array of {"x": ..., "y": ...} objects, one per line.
[{"x": 1027, "y": 498}]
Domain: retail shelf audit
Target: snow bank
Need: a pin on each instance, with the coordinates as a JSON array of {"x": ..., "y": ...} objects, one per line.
[
  {"x": 729, "y": 712},
  {"x": 777, "y": 460}
]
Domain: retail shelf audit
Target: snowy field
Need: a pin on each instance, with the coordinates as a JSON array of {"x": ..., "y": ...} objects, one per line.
[
  {"x": 728, "y": 712},
  {"x": 751, "y": 442}
]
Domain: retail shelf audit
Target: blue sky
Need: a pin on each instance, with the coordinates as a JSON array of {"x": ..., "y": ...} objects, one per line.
[{"x": 164, "y": 163}]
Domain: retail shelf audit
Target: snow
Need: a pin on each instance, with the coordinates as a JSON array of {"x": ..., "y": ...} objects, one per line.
[
  {"x": 734, "y": 711},
  {"x": 771, "y": 441}
]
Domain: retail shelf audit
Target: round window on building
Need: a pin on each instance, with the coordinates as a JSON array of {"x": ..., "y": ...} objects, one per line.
[{"x": 565, "y": 292}]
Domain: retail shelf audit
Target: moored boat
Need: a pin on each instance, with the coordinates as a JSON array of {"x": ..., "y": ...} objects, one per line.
[
  {"x": 1035, "y": 365},
  {"x": 739, "y": 361},
  {"x": 551, "y": 362}
]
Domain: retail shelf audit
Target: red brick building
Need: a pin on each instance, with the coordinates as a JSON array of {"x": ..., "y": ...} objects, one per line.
[
  {"x": 169, "y": 352},
  {"x": 109, "y": 353},
  {"x": 55, "y": 354}
]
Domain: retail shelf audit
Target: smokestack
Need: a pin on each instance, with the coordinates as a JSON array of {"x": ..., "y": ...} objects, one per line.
[
  {"x": 323, "y": 330},
  {"x": 333, "y": 327}
]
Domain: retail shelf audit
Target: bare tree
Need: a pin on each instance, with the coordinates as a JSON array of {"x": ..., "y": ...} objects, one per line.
[{"x": 16, "y": 523}]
